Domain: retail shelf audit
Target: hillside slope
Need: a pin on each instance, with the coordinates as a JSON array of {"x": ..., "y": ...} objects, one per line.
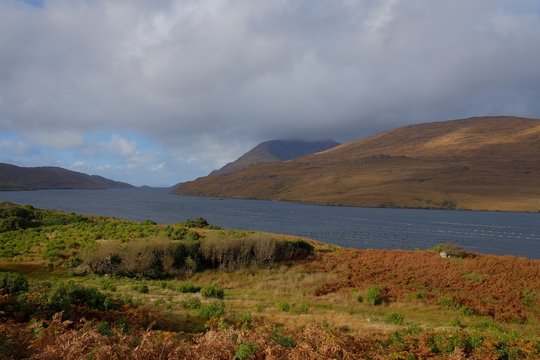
[
  {"x": 484, "y": 163},
  {"x": 49, "y": 178},
  {"x": 275, "y": 151}
]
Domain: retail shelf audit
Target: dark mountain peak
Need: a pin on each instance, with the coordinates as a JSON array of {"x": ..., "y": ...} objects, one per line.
[{"x": 276, "y": 151}]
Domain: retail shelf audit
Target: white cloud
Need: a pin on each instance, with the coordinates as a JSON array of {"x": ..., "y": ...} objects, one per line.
[
  {"x": 118, "y": 145},
  {"x": 16, "y": 148},
  {"x": 56, "y": 139},
  {"x": 230, "y": 73}
]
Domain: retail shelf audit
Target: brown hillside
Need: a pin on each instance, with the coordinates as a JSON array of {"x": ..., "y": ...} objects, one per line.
[
  {"x": 51, "y": 178},
  {"x": 486, "y": 163}
]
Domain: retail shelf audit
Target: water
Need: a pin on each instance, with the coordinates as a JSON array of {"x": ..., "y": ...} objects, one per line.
[{"x": 356, "y": 227}]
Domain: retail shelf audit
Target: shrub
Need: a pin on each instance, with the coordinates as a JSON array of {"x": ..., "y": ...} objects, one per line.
[
  {"x": 200, "y": 223},
  {"x": 284, "y": 306},
  {"x": 191, "y": 303},
  {"x": 211, "y": 310},
  {"x": 188, "y": 288},
  {"x": 245, "y": 351},
  {"x": 12, "y": 283},
  {"x": 394, "y": 318},
  {"x": 213, "y": 291},
  {"x": 221, "y": 250},
  {"x": 104, "y": 328},
  {"x": 142, "y": 288},
  {"x": 75, "y": 261},
  {"x": 447, "y": 302},
  {"x": 181, "y": 233},
  {"x": 373, "y": 295},
  {"x": 63, "y": 296},
  {"x": 243, "y": 320},
  {"x": 285, "y": 341},
  {"x": 123, "y": 326},
  {"x": 465, "y": 311},
  {"x": 451, "y": 250},
  {"x": 293, "y": 250},
  {"x": 144, "y": 259}
]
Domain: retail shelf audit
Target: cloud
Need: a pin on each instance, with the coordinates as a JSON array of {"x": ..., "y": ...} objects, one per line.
[
  {"x": 207, "y": 79},
  {"x": 57, "y": 139},
  {"x": 16, "y": 148},
  {"x": 118, "y": 145}
]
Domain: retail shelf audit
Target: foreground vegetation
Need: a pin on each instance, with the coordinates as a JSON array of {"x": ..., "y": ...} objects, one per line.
[{"x": 89, "y": 287}]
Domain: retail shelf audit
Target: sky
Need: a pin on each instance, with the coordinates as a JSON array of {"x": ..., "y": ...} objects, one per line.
[{"x": 155, "y": 92}]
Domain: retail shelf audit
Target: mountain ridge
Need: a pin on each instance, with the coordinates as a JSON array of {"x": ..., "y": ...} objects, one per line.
[
  {"x": 275, "y": 151},
  {"x": 481, "y": 163},
  {"x": 18, "y": 178}
]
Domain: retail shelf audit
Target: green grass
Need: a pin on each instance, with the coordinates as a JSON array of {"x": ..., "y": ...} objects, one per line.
[{"x": 282, "y": 293}]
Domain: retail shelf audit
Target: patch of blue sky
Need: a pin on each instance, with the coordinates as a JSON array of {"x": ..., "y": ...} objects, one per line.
[
  {"x": 35, "y": 3},
  {"x": 522, "y": 7},
  {"x": 143, "y": 144}
]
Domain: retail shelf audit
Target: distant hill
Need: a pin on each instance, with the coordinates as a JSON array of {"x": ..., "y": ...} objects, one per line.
[
  {"x": 49, "y": 178},
  {"x": 275, "y": 151},
  {"x": 483, "y": 163}
]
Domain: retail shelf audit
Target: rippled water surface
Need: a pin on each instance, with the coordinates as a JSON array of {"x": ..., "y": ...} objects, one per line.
[{"x": 488, "y": 232}]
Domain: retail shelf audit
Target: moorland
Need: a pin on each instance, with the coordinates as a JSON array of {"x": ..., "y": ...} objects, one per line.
[
  {"x": 75, "y": 286},
  {"x": 484, "y": 163}
]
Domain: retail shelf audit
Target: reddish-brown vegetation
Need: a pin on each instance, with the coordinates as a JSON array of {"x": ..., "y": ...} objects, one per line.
[{"x": 487, "y": 284}]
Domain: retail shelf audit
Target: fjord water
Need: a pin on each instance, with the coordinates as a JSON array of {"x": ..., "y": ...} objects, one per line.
[{"x": 487, "y": 232}]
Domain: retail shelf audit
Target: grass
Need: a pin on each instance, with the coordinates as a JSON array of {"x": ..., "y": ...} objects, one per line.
[{"x": 253, "y": 297}]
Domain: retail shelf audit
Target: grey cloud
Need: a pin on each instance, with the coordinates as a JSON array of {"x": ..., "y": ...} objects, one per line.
[{"x": 208, "y": 79}]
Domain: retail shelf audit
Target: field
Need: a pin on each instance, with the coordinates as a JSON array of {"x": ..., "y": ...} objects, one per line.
[{"x": 101, "y": 288}]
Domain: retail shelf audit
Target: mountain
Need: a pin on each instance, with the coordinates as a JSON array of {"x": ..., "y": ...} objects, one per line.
[
  {"x": 482, "y": 163},
  {"x": 48, "y": 178},
  {"x": 275, "y": 151}
]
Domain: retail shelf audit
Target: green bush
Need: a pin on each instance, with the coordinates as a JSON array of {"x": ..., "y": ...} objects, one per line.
[
  {"x": 213, "y": 291},
  {"x": 394, "y": 318},
  {"x": 373, "y": 295},
  {"x": 75, "y": 261},
  {"x": 199, "y": 222},
  {"x": 15, "y": 217},
  {"x": 465, "y": 311},
  {"x": 284, "y": 306},
  {"x": 104, "y": 328},
  {"x": 191, "y": 303},
  {"x": 142, "y": 288},
  {"x": 245, "y": 351},
  {"x": 210, "y": 310},
  {"x": 188, "y": 288},
  {"x": 63, "y": 296},
  {"x": 448, "y": 302},
  {"x": 181, "y": 233},
  {"x": 243, "y": 320},
  {"x": 12, "y": 283},
  {"x": 285, "y": 341}
]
